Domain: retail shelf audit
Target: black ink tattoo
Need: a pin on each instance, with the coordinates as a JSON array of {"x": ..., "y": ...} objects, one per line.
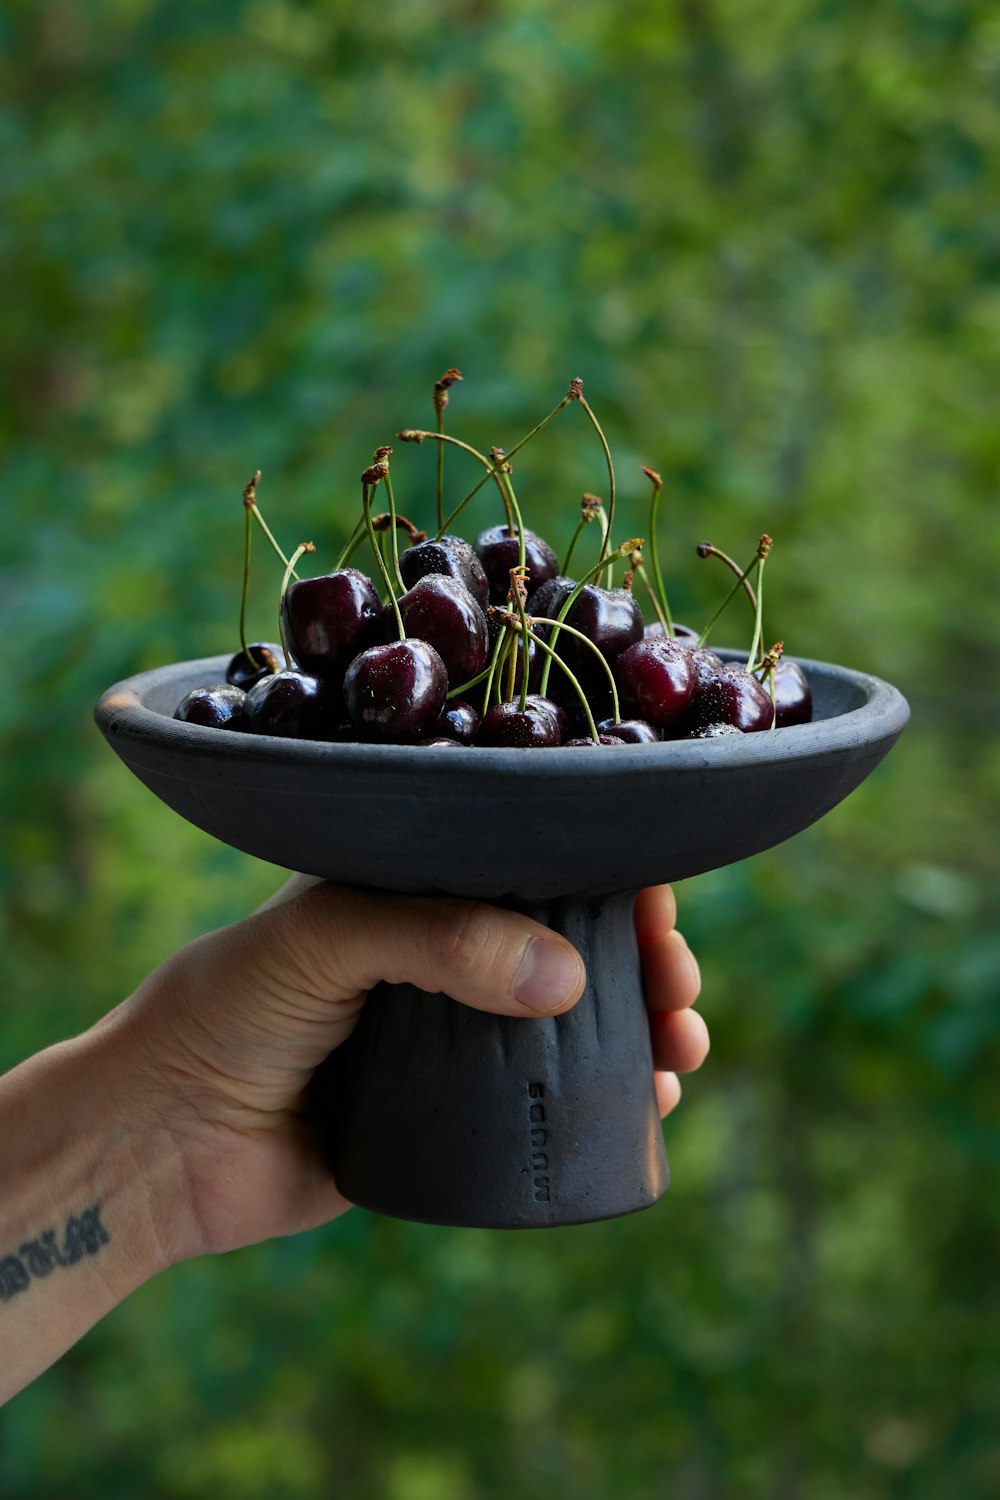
[{"x": 84, "y": 1234}]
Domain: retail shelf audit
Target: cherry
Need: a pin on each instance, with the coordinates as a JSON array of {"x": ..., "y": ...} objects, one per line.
[
  {"x": 395, "y": 693},
  {"x": 630, "y": 731},
  {"x": 295, "y": 705},
  {"x": 441, "y": 611},
  {"x": 247, "y": 667},
  {"x": 792, "y": 695},
  {"x": 657, "y": 680},
  {"x": 548, "y": 598},
  {"x": 451, "y": 555},
  {"x": 459, "y": 721},
  {"x": 505, "y": 725},
  {"x": 220, "y": 706},
  {"x": 735, "y": 697},
  {"x": 498, "y": 550},
  {"x": 683, "y": 634},
  {"x": 612, "y": 620},
  {"x": 330, "y": 619},
  {"x": 535, "y": 703}
]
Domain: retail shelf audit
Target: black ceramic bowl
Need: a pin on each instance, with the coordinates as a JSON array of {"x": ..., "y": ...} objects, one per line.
[{"x": 438, "y": 1113}]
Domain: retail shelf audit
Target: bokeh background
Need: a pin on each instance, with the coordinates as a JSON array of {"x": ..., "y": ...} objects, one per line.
[{"x": 766, "y": 234}]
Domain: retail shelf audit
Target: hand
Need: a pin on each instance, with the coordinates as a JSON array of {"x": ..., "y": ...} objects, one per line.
[{"x": 219, "y": 1043}]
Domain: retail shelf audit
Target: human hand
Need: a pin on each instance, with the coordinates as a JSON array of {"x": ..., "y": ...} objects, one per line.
[{"x": 219, "y": 1043}]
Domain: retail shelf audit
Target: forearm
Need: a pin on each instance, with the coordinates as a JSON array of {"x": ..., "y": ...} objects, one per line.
[{"x": 79, "y": 1177}]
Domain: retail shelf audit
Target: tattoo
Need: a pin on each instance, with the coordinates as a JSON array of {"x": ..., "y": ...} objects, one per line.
[{"x": 84, "y": 1234}]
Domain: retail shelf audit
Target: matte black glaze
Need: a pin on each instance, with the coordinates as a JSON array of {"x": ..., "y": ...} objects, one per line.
[{"x": 427, "y": 1111}]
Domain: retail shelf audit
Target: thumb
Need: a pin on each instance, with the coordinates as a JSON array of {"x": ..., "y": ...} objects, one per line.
[{"x": 335, "y": 942}]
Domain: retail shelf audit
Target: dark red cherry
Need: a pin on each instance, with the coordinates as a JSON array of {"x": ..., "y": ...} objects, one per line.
[
  {"x": 441, "y": 611},
  {"x": 536, "y": 704},
  {"x": 243, "y": 673},
  {"x": 656, "y": 680},
  {"x": 295, "y": 705},
  {"x": 498, "y": 550},
  {"x": 459, "y": 721},
  {"x": 548, "y": 599},
  {"x": 792, "y": 695},
  {"x": 220, "y": 706},
  {"x": 630, "y": 731},
  {"x": 395, "y": 693},
  {"x": 505, "y": 725},
  {"x": 452, "y": 556},
  {"x": 330, "y": 619},
  {"x": 713, "y": 732},
  {"x": 735, "y": 697},
  {"x": 683, "y": 634}
]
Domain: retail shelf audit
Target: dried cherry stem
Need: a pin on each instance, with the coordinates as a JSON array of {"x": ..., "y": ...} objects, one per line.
[
  {"x": 441, "y": 388},
  {"x": 416, "y": 435},
  {"x": 591, "y": 508},
  {"x": 759, "y": 620},
  {"x": 764, "y": 546},
  {"x": 368, "y": 483},
  {"x": 705, "y": 549},
  {"x": 450, "y": 520},
  {"x": 624, "y": 550},
  {"x": 575, "y": 393},
  {"x": 663, "y": 610},
  {"x": 250, "y": 501},
  {"x": 302, "y": 548}
]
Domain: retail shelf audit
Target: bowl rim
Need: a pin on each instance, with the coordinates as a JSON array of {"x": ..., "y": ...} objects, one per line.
[{"x": 122, "y": 711}]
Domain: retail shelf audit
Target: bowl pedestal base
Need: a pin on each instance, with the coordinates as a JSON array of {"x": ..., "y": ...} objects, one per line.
[{"x": 436, "y": 1112}]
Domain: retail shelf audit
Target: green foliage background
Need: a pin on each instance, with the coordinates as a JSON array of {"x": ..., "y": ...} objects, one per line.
[{"x": 253, "y": 233}]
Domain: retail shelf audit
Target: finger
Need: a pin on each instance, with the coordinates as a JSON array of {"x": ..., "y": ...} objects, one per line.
[
  {"x": 671, "y": 978},
  {"x": 654, "y": 914},
  {"x": 680, "y": 1040},
  {"x": 336, "y": 940},
  {"x": 668, "y": 1092}
]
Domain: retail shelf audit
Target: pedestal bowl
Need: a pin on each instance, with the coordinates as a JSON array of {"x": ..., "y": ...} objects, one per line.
[{"x": 446, "y": 1115}]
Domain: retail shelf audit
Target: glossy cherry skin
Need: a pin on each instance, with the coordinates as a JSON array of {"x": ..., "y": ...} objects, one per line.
[
  {"x": 295, "y": 705},
  {"x": 732, "y": 697},
  {"x": 549, "y": 597},
  {"x": 243, "y": 673},
  {"x": 330, "y": 619},
  {"x": 498, "y": 550},
  {"x": 656, "y": 681},
  {"x": 536, "y": 704},
  {"x": 629, "y": 731},
  {"x": 458, "y": 721},
  {"x": 441, "y": 611},
  {"x": 395, "y": 693},
  {"x": 683, "y": 634},
  {"x": 220, "y": 706},
  {"x": 505, "y": 725},
  {"x": 452, "y": 556},
  {"x": 792, "y": 695}
]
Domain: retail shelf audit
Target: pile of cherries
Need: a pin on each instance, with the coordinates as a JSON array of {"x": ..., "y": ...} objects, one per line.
[{"x": 492, "y": 643}]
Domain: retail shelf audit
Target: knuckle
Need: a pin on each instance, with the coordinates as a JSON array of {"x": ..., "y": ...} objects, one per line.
[{"x": 467, "y": 939}]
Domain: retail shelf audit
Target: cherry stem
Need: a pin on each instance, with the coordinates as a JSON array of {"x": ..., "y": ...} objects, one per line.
[
  {"x": 510, "y": 454},
  {"x": 572, "y": 630},
  {"x": 654, "y": 557},
  {"x": 664, "y": 619},
  {"x": 247, "y": 535},
  {"x": 759, "y": 620},
  {"x": 366, "y": 502},
  {"x": 576, "y": 393},
  {"x": 574, "y": 682},
  {"x": 622, "y": 551},
  {"x": 525, "y": 652},
  {"x": 393, "y": 530},
  {"x": 440, "y": 465},
  {"x": 354, "y": 541},
  {"x": 732, "y": 592},
  {"x": 290, "y": 573},
  {"x": 705, "y": 549},
  {"x": 415, "y": 435},
  {"x": 590, "y": 508},
  {"x": 512, "y": 507}
]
